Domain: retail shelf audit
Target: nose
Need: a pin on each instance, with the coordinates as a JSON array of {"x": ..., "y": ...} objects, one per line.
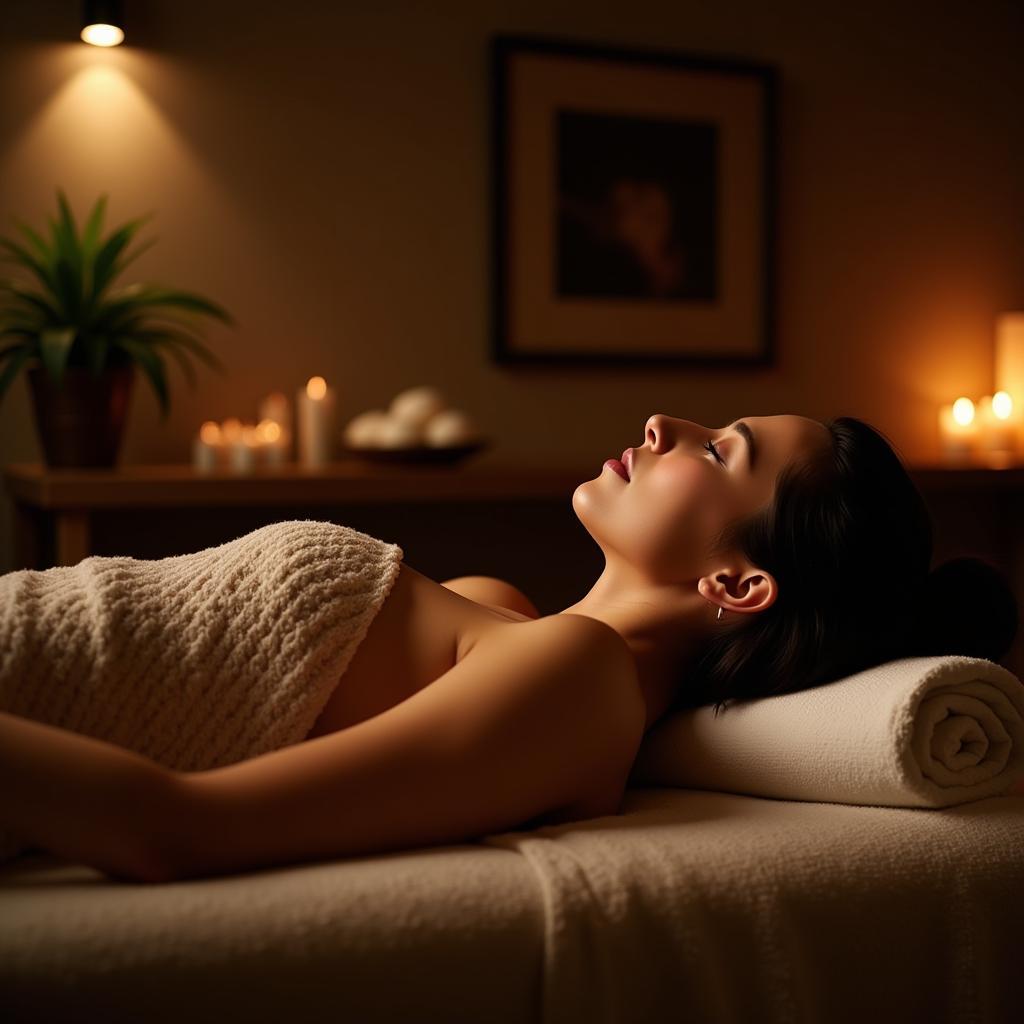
[
  {"x": 661, "y": 431},
  {"x": 658, "y": 432}
]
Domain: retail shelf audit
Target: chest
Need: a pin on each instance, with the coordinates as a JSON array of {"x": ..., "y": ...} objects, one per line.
[{"x": 419, "y": 633}]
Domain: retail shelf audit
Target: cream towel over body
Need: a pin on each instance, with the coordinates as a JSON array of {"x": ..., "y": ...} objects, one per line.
[{"x": 197, "y": 660}]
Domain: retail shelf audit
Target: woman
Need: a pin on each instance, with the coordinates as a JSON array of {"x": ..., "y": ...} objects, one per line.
[{"x": 772, "y": 555}]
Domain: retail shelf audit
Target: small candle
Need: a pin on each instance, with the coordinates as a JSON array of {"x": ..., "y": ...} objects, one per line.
[
  {"x": 272, "y": 440},
  {"x": 958, "y": 430},
  {"x": 207, "y": 448},
  {"x": 275, "y": 407},
  {"x": 998, "y": 426},
  {"x": 243, "y": 451},
  {"x": 316, "y": 423},
  {"x": 231, "y": 431}
]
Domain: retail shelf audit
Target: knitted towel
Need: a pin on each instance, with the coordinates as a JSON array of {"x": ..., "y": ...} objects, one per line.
[{"x": 199, "y": 660}]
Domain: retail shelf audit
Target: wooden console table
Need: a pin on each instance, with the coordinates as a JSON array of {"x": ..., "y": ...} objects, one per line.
[{"x": 70, "y": 498}]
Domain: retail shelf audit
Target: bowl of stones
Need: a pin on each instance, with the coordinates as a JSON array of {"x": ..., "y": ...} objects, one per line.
[{"x": 418, "y": 427}]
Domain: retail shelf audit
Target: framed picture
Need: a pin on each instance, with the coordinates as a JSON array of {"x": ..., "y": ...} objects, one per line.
[{"x": 633, "y": 205}]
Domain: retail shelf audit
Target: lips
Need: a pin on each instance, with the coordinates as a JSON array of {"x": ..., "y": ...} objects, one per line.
[{"x": 627, "y": 461}]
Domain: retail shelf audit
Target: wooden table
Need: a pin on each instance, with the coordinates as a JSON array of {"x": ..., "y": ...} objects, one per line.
[{"x": 70, "y": 498}]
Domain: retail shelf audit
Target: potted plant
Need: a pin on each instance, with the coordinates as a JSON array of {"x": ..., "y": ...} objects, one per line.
[{"x": 81, "y": 338}]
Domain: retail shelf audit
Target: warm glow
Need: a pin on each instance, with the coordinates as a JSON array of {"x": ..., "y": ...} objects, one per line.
[
  {"x": 232, "y": 430},
  {"x": 209, "y": 432},
  {"x": 316, "y": 388},
  {"x": 1002, "y": 405},
  {"x": 269, "y": 431},
  {"x": 963, "y": 411},
  {"x": 102, "y": 35},
  {"x": 249, "y": 435}
]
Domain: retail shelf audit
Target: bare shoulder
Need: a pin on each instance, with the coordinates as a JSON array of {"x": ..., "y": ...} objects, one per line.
[{"x": 582, "y": 656}]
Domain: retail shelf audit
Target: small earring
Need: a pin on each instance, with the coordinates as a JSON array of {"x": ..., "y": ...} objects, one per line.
[{"x": 719, "y": 616}]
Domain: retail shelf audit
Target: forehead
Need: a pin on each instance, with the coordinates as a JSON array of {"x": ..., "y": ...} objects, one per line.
[{"x": 784, "y": 436}]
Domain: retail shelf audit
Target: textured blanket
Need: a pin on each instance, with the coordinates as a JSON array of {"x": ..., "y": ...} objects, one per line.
[
  {"x": 916, "y": 732},
  {"x": 198, "y": 660}
]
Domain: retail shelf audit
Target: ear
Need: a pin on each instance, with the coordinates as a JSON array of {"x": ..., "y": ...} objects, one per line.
[{"x": 744, "y": 588}]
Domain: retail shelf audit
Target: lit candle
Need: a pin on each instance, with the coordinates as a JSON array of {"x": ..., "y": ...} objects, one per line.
[
  {"x": 243, "y": 451},
  {"x": 316, "y": 423},
  {"x": 207, "y": 448},
  {"x": 231, "y": 431},
  {"x": 275, "y": 407},
  {"x": 1010, "y": 366},
  {"x": 998, "y": 425},
  {"x": 272, "y": 442},
  {"x": 958, "y": 430}
]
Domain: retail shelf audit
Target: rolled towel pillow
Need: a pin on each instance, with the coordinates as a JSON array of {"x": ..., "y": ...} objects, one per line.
[{"x": 916, "y": 732}]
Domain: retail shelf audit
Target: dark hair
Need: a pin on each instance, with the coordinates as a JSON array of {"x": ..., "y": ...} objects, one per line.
[{"x": 848, "y": 538}]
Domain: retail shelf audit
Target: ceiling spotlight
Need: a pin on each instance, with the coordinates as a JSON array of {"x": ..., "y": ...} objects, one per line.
[{"x": 102, "y": 23}]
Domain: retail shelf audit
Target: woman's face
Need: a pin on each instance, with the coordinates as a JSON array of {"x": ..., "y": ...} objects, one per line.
[{"x": 664, "y": 519}]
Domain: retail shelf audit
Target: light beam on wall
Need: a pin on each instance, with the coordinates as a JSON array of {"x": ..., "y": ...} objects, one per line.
[{"x": 102, "y": 23}]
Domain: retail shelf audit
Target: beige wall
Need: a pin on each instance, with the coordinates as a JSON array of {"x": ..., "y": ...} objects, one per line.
[{"x": 325, "y": 176}]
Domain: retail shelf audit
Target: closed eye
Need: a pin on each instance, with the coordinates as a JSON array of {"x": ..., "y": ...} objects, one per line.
[{"x": 710, "y": 446}]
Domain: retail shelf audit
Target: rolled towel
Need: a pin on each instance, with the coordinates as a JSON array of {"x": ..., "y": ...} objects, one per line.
[
  {"x": 197, "y": 660},
  {"x": 917, "y": 732}
]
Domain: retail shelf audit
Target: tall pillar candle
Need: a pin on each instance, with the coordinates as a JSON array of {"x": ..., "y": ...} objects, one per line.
[
  {"x": 1010, "y": 364},
  {"x": 315, "y": 415}
]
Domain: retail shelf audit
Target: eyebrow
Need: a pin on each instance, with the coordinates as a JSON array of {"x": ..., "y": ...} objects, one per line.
[{"x": 748, "y": 435}]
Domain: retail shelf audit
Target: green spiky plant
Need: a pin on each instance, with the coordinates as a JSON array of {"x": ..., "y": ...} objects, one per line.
[{"x": 76, "y": 318}]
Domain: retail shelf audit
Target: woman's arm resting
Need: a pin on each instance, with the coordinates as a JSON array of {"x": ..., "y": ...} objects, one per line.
[
  {"x": 86, "y": 800},
  {"x": 509, "y": 733}
]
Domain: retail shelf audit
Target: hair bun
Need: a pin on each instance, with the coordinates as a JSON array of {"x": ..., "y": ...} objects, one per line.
[{"x": 967, "y": 607}]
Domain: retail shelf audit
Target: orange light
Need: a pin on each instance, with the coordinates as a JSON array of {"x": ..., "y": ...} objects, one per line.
[
  {"x": 316, "y": 388},
  {"x": 963, "y": 411},
  {"x": 209, "y": 432},
  {"x": 269, "y": 431}
]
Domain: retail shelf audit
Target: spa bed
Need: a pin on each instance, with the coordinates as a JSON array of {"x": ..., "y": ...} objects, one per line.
[
  {"x": 702, "y": 906},
  {"x": 888, "y": 886}
]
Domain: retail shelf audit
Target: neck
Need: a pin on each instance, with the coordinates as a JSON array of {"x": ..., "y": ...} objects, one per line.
[{"x": 662, "y": 625}]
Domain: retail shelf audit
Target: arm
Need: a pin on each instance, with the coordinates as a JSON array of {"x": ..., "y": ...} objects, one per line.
[
  {"x": 89, "y": 801},
  {"x": 505, "y": 735}
]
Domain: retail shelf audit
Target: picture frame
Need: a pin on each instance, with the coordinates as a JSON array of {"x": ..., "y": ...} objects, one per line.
[{"x": 633, "y": 205}]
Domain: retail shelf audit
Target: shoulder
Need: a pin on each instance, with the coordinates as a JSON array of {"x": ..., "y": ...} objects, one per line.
[{"x": 584, "y": 660}]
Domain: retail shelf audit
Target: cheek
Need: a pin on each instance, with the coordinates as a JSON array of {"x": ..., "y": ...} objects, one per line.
[{"x": 679, "y": 505}]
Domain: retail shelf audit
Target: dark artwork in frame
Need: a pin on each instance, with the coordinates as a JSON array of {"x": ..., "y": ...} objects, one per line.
[
  {"x": 633, "y": 206},
  {"x": 636, "y": 207}
]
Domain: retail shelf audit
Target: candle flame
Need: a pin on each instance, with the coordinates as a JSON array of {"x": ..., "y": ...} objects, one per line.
[
  {"x": 316, "y": 388},
  {"x": 1002, "y": 405},
  {"x": 209, "y": 432},
  {"x": 963, "y": 411},
  {"x": 269, "y": 430}
]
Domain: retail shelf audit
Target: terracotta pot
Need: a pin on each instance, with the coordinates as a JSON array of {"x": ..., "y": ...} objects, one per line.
[{"x": 81, "y": 422}]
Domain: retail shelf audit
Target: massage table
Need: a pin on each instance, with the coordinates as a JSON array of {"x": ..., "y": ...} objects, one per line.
[{"x": 848, "y": 853}]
